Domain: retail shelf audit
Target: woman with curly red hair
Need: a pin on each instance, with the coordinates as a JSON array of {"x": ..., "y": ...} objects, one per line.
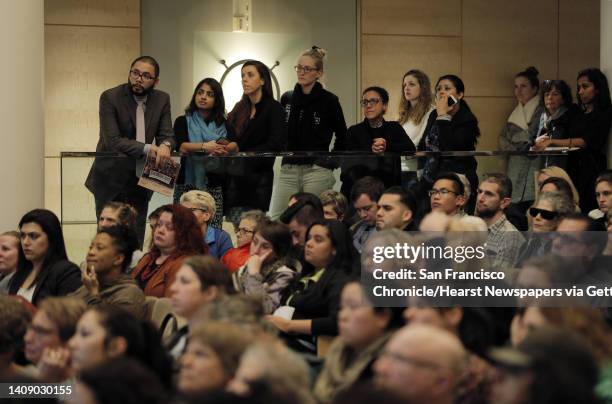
[{"x": 177, "y": 236}]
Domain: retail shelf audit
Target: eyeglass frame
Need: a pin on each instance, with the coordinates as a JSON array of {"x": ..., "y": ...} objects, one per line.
[
  {"x": 305, "y": 69},
  {"x": 244, "y": 230},
  {"x": 371, "y": 101},
  {"x": 135, "y": 74},
  {"x": 442, "y": 192}
]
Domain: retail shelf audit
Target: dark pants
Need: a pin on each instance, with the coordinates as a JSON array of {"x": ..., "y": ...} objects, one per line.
[{"x": 136, "y": 196}]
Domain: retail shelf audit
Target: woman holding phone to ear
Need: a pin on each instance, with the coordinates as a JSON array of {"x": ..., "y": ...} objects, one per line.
[{"x": 451, "y": 127}]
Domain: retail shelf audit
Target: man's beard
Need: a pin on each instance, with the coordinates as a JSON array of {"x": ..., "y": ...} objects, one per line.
[
  {"x": 486, "y": 213},
  {"x": 145, "y": 91}
]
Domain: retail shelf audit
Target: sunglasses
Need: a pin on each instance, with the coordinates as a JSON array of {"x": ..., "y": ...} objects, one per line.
[{"x": 546, "y": 214}]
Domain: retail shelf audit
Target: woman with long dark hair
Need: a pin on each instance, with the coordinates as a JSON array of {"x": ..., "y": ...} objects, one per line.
[
  {"x": 43, "y": 269},
  {"x": 256, "y": 126},
  {"x": 203, "y": 129},
  {"x": 589, "y": 130},
  {"x": 314, "y": 296},
  {"x": 451, "y": 127},
  {"x": 177, "y": 236}
]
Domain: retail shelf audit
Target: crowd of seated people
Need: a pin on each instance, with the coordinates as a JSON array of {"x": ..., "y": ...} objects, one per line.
[{"x": 284, "y": 314}]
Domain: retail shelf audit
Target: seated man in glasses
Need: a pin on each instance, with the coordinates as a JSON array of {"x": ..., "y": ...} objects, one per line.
[
  {"x": 134, "y": 119},
  {"x": 448, "y": 195}
]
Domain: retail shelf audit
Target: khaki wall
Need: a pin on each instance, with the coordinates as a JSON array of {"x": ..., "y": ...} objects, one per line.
[
  {"x": 89, "y": 45},
  {"x": 485, "y": 42}
]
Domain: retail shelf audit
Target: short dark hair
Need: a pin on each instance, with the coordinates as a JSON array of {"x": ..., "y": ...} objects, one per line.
[
  {"x": 594, "y": 232},
  {"x": 371, "y": 186},
  {"x": 125, "y": 241},
  {"x": 459, "y": 187},
  {"x": 562, "y": 186},
  {"x": 407, "y": 198},
  {"x": 604, "y": 176},
  {"x": 559, "y": 85},
  {"x": 126, "y": 213},
  {"x": 147, "y": 59},
  {"x": 306, "y": 210},
  {"x": 211, "y": 272},
  {"x": 384, "y": 94},
  {"x": 503, "y": 182},
  {"x": 306, "y": 215}
]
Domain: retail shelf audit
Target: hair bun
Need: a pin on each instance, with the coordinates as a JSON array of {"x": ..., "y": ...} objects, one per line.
[
  {"x": 532, "y": 71},
  {"x": 320, "y": 51}
]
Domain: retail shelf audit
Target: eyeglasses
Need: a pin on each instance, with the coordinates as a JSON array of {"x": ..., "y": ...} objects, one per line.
[
  {"x": 546, "y": 214},
  {"x": 371, "y": 101},
  {"x": 145, "y": 76},
  {"x": 244, "y": 230},
  {"x": 442, "y": 192},
  {"x": 305, "y": 69},
  {"x": 197, "y": 209}
]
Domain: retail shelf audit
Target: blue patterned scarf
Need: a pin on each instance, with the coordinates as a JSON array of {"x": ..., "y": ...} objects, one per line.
[{"x": 200, "y": 132}]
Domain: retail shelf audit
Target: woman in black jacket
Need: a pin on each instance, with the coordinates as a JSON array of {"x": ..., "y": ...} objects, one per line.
[
  {"x": 377, "y": 136},
  {"x": 589, "y": 130},
  {"x": 256, "y": 125},
  {"x": 313, "y": 115},
  {"x": 451, "y": 128},
  {"x": 315, "y": 294},
  {"x": 43, "y": 268}
]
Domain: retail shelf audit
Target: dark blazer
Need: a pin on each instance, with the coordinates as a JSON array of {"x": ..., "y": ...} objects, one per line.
[
  {"x": 109, "y": 176},
  {"x": 250, "y": 180},
  {"x": 59, "y": 279}
]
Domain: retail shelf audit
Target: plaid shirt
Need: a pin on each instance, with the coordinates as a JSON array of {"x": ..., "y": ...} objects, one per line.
[{"x": 503, "y": 243}]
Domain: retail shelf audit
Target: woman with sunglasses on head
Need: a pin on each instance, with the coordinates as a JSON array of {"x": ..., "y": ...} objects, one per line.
[
  {"x": 377, "y": 136},
  {"x": 203, "y": 129},
  {"x": 545, "y": 215},
  {"x": 589, "y": 131},
  {"x": 451, "y": 127},
  {"x": 256, "y": 125},
  {"x": 43, "y": 268},
  {"x": 313, "y": 116}
]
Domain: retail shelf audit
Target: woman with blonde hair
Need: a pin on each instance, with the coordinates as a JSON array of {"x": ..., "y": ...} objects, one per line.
[
  {"x": 416, "y": 103},
  {"x": 313, "y": 116}
]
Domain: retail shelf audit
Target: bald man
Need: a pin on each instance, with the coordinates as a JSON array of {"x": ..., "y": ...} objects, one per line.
[{"x": 423, "y": 364}]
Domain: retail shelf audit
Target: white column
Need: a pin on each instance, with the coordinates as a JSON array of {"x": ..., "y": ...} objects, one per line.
[
  {"x": 606, "y": 53},
  {"x": 21, "y": 109}
]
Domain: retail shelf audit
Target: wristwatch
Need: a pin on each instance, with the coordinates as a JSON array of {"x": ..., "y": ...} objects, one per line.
[{"x": 167, "y": 143}]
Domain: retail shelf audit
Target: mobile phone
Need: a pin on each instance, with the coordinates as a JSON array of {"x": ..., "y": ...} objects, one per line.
[{"x": 451, "y": 100}]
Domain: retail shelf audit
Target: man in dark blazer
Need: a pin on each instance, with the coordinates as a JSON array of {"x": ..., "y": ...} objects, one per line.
[{"x": 124, "y": 130}]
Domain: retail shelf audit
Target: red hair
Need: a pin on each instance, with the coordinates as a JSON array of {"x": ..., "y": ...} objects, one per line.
[{"x": 188, "y": 235}]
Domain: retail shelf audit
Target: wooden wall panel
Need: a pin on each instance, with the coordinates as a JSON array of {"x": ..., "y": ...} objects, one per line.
[
  {"x": 81, "y": 62},
  {"x": 578, "y": 38},
  {"x": 109, "y": 13},
  {"x": 387, "y": 58},
  {"x": 411, "y": 17},
  {"x": 501, "y": 38}
]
